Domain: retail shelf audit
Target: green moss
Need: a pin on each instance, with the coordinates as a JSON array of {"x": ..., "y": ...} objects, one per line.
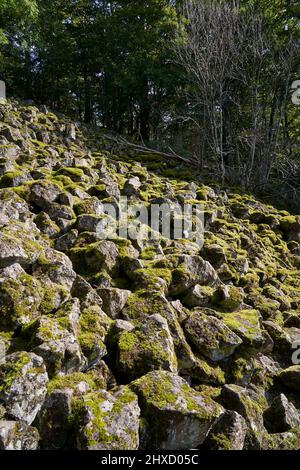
[
  {"x": 52, "y": 297},
  {"x": 14, "y": 370},
  {"x": 19, "y": 300},
  {"x": 71, "y": 172},
  {"x": 73, "y": 380},
  {"x": 219, "y": 441},
  {"x": 94, "y": 325},
  {"x": 140, "y": 351},
  {"x": 287, "y": 222},
  {"x": 148, "y": 253},
  {"x": 87, "y": 259},
  {"x": 161, "y": 392},
  {"x": 151, "y": 275},
  {"x": 232, "y": 300},
  {"x": 245, "y": 323},
  {"x": 97, "y": 430}
]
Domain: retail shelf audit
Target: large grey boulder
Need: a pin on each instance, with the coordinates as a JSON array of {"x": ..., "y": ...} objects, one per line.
[
  {"x": 178, "y": 417},
  {"x": 113, "y": 299},
  {"x": 18, "y": 436},
  {"x": 281, "y": 415},
  {"x": 210, "y": 336},
  {"x": 23, "y": 385},
  {"x": 18, "y": 245},
  {"x": 228, "y": 433},
  {"x": 110, "y": 421},
  {"x": 148, "y": 346},
  {"x": 291, "y": 377}
]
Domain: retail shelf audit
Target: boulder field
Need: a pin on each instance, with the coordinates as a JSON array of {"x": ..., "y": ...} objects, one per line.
[{"x": 151, "y": 343}]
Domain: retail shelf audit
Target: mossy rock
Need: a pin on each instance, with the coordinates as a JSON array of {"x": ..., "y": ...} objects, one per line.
[
  {"x": 173, "y": 409},
  {"x": 111, "y": 421},
  {"x": 149, "y": 346},
  {"x": 246, "y": 324},
  {"x": 20, "y": 300}
]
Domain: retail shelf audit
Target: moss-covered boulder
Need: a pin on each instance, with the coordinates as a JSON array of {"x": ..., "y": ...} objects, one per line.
[
  {"x": 20, "y": 300},
  {"x": 199, "y": 296},
  {"x": 113, "y": 299},
  {"x": 246, "y": 324},
  {"x": 228, "y": 433},
  {"x": 56, "y": 342},
  {"x": 290, "y": 377},
  {"x": 190, "y": 270},
  {"x": 282, "y": 441},
  {"x": 210, "y": 336},
  {"x": 178, "y": 416},
  {"x": 102, "y": 255},
  {"x": 281, "y": 415},
  {"x": 149, "y": 346},
  {"x": 23, "y": 385},
  {"x": 18, "y": 436},
  {"x": 148, "y": 303},
  {"x": 248, "y": 403},
  {"x": 110, "y": 421},
  {"x": 228, "y": 298},
  {"x": 94, "y": 326},
  {"x": 12, "y": 207},
  {"x": 18, "y": 245},
  {"x": 42, "y": 193}
]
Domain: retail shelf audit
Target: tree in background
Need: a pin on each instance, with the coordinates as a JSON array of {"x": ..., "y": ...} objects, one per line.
[
  {"x": 107, "y": 60},
  {"x": 17, "y": 31},
  {"x": 240, "y": 68}
]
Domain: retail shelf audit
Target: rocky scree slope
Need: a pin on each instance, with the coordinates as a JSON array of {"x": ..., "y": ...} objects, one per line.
[{"x": 146, "y": 344}]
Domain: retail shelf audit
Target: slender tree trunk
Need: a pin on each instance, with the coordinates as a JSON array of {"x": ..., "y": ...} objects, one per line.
[
  {"x": 28, "y": 75},
  {"x": 87, "y": 97},
  {"x": 144, "y": 116}
]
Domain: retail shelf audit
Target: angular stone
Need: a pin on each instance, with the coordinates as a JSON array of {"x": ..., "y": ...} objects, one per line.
[
  {"x": 23, "y": 385},
  {"x": 12, "y": 207},
  {"x": 54, "y": 419},
  {"x": 228, "y": 298},
  {"x": 199, "y": 296},
  {"x": 85, "y": 293},
  {"x": 55, "y": 341},
  {"x": 56, "y": 267},
  {"x": 149, "y": 346},
  {"x": 18, "y": 246},
  {"x": 46, "y": 225},
  {"x": 94, "y": 327},
  {"x": 66, "y": 241},
  {"x": 291, "y": 377},
  {"x": 20, "y": 299},
  {"x": 132, "y": 186},
  {"x": 137, "y": 307},
  {"x": 178, "y": 417},
  {"x": 215, "y": 254},
  {"x": 239, "y": 399},
  {"x": 114, "y": 300},
  {"x": 110, "y": 421},
  {"x": 228, "y": 433},
  {"x": 211, "y": 336},
  {"x": 43, "y": 193},
  {"x": 18, "y": 436},
  {"x": 246, "y": 324},
  {"x": 281, "y": 415},
  {"x": 190, "y": 270}
]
